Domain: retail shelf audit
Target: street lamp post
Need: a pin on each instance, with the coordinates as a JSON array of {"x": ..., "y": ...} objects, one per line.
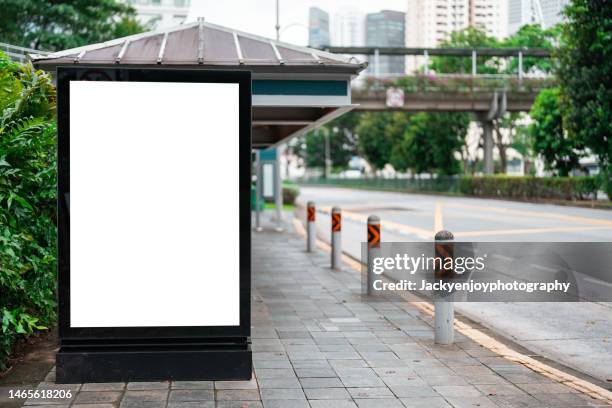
[{"x": 277, "y": 26}]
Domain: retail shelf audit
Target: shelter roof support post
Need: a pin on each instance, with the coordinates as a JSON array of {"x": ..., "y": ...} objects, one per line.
[
  {"x": 426, "y": 55},
  {"x": 474, "y": 63},
  {"x": 278, "y": 193},
  {"x": 258, "y": 186}
]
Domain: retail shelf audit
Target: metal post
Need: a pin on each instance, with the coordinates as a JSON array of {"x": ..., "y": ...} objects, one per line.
[
  {"x": 311, "y": 231},
  {"x": 377, "y": 64},
  {"x": 426, "y": 55},
  {"x": 336, "y": 238},
  {"x": 277, "y": 26},
  {"x": 520, "y": 65},
  {"x": 257, "y": 190},
  {"x": 487, "y": 129},
  {"x": 278, "y": 193},
  {"x": 373, "y": 250},
  {"x": 474, "y": 63},
  {"x": 444, "y": 308},
  {"x": 327, "y": 153}
]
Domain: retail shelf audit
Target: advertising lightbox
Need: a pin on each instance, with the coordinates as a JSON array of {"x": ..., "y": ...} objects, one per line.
[{"x": 154, "y": 216}]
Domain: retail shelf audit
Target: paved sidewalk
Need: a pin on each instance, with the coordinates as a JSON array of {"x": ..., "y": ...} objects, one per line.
[{"x": 318, "y": 343}]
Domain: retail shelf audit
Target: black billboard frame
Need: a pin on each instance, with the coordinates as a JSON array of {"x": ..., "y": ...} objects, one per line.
[{"x": 103, "y": 354}]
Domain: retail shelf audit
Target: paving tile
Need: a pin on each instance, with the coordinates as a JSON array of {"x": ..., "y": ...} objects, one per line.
[
  {"x": 191, "y": 395},
  {"x": 286, "y": 404},
  {"x": 98, "y": 397},
  {"x": 146, "y": 396},
  {"x": 104, "y": 405},
  {"x": 326, "y": 393},
  {"x": 315, "y": 372},
  {"x": 192, "y": 385},
  {"x": 282, "y": 394},
  {"x": 370, "y": 392},
  {"x": 332, "y": 404},
  {"x": 238, "y": 395},
  {"x": 238, "y": 404},
  {"x": 404, "y": 391},
  {"x": 142, "y": 404},
  {"x": 471, "y": 402},
  {"x": 191, "y": 404},
  {"x": 236, "y": 385},
  {"x": 290, "y": 382},
  {"x": 329, "y": 382},
  {"x": 161, "y": 385},
  {"x": 425, "y": 402},
  {"x": 274, "y": 373},
  {"x": 457, "y": 390},
  {"x": 103, "y": 387},
  {"x": 379, "y": 403}
]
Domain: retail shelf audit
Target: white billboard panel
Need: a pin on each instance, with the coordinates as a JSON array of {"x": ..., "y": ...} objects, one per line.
[{"x": 154, "y": 204}]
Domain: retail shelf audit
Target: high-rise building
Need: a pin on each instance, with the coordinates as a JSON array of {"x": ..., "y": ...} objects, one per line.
[
  {"x": 348, "y": 28},
  {"x": 430, "y": 22},
  {"x": 386, "y": 29},
  {"x": 547, "y": 13},
  {"x": 161, "y": 13},
  {"x": 318, "y": 28}
]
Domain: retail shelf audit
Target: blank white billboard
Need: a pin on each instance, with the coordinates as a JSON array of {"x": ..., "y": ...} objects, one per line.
[{"x": 154, "y": 204}]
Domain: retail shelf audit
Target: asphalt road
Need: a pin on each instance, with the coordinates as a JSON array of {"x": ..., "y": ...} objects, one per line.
[{"x": 578, "y": 335}]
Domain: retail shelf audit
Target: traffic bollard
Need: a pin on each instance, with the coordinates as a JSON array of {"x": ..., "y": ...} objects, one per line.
[
  {"x": 373, "y": 249},
  {"x": 311, "y": 231},
  {"x": 336, "y": 238},
  {"x": 444, "y": 308}
]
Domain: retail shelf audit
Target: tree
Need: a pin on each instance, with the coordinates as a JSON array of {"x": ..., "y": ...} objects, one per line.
[
  {"x": 27, "y": 202},
  {"x": 430, "y": 143},
  {"x": 585, "y": 77},
  {"x": 532, "y": 36},
  {"x": 559, "y": 150},
  {"x": 342, "y": 142},
  {"x": 468, "y": 38},
  {"x": 378, "y": 133},
  {"x": 61, "y": 24}
]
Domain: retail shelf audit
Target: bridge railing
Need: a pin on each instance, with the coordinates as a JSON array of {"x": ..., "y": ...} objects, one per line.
[
  {"x": 19, "y": 54},
  {"x": 453, "y": 83}
]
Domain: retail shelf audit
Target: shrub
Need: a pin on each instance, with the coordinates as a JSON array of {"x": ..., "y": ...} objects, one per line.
[
  {"x": 27, "y": 203},
  {"x": 558, "y": 188},
  {"x": 290, "y": 193}
]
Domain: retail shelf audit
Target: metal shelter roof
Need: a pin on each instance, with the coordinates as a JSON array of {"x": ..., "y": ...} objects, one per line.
[{"x": 294, "y": 88}]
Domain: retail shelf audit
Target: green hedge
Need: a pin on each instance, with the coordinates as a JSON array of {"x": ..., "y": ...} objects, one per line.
[
  {"x": 27, "y": 203},
  {"x": 514, "y": 187},
  {"x": 556, "y": 188}
]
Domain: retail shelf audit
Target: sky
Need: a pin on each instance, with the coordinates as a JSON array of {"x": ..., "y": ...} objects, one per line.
[{"x": 259, "y": 16}]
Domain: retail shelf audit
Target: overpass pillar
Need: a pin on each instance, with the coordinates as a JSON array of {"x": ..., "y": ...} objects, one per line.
[{"x": 487, "y": 129}]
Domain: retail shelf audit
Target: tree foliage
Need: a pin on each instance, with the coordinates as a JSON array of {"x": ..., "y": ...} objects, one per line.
[
  {"x": 378, "y": 133},
  {"x": 430, "y": 143},
  {"x": 585, "y": 76},
  {"x": 27, "y": 202},
  {"x": 342, "y": 142},
  {"x": 559, "y": 150},
  {"x": 61, "y": 24}
]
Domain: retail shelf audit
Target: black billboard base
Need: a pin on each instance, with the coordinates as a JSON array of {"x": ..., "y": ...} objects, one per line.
[{"x": 75, "y": 365}]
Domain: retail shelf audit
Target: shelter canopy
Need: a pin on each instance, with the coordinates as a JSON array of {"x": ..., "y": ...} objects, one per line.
[{"x": 294, "y": 88}]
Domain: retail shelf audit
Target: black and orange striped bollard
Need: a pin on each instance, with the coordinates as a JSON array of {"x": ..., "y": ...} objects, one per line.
[
  {"x": 311, "y": 231},
  {"x": 373, "y": 249},
  {"x": 336, "y": 238}
]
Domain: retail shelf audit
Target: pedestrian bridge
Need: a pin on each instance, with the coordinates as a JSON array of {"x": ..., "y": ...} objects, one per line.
[{"x": 449, "y": 93}]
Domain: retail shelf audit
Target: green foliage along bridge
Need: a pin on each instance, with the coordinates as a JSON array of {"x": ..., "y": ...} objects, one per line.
[{"x": 486, "y": 81}]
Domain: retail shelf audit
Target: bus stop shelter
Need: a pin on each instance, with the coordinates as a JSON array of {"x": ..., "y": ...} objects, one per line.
[{"x": 295, "y": 89}]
